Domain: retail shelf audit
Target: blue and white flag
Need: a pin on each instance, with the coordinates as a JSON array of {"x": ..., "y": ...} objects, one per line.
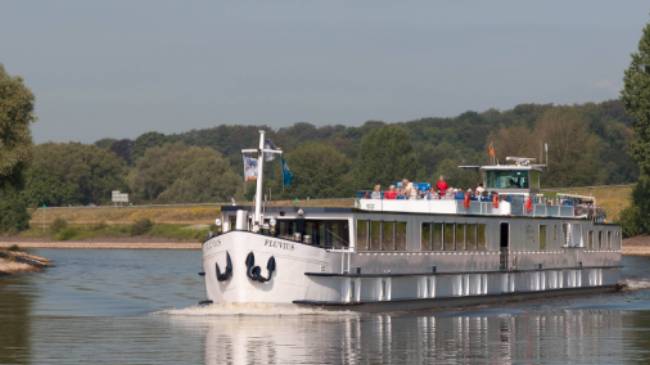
[
  {"x": 250, "y": 168},
  {"x": 287, "y": 175},
  {"x": 269, "y": 146}
]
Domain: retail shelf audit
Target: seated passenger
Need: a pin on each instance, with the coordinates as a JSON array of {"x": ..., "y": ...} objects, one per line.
[
  {"x": 376, "y": 192},
  {"x": 391, "y": 193},
  {"x": 458, "y": 194}
]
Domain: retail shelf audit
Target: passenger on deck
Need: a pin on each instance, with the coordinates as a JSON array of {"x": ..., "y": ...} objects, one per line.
[
  {"x": 458, "y": 194},
  {"x": 391, "y": 193},
  {"x": 479, "y": 190},
  {"x": 442, "y": 186},
  {"x": 410, "y": 191},
  {"x": 376, "y": 192}
]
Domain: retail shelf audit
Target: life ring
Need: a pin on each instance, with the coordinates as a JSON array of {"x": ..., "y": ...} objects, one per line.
[
  {"x": 255, "y": 272},
  {"x": 529, "y": 204},
  {"x": 226, "y": 274}
]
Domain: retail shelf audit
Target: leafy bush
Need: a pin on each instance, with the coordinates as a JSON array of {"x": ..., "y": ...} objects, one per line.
[
  {"x": 58, "y": 225},
  {"x": 141, "y": 226},
  {"x": 66, "y": 234},
  {"x": 630, "y": 221},
  {"x": 13, "y": 248}
]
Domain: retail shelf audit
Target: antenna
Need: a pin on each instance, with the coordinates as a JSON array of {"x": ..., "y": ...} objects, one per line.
[{"x": 546, "y": 151}]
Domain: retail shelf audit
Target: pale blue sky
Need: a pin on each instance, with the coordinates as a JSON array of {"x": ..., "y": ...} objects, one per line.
[{"x": 121, "y": 68}]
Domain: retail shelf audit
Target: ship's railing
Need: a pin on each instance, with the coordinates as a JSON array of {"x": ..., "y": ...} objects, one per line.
[
  {"x": 435, "y": 206},
  {"x": 516, "y": 207}
]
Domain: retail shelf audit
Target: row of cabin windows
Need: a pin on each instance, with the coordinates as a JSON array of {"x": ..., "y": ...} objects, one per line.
[
  {"x": 321, "y": 233},
  {"x": 593, "y": 240},
  {"x": 381, "y": 236},
  {"x": 453, "y": 237},
  {"x": 602, "y": 240}
]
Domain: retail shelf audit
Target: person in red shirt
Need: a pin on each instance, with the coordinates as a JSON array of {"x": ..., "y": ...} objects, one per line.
[
  {"x": 442, "y": 186},
  {"x": 391, "y": 193}
]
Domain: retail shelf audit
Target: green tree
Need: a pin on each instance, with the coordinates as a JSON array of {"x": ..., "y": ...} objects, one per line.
[
  {"x": 16, "y": 115},
  {"x": 386, "y": 155},
  {"x": 320, "y": 171},
  {"x": 636, "y": 98},
  {"x": 146, "y": 141},
  {"x": 73, "y": 173},
  {"x": 175, "y": 173}
]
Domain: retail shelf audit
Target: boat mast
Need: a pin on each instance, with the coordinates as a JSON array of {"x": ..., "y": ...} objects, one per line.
[
  {"x": 260, "y": 176},
  {"x": 261, "y": 151}
]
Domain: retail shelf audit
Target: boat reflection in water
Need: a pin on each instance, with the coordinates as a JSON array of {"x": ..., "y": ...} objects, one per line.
[{"x": 559, "y": 337}]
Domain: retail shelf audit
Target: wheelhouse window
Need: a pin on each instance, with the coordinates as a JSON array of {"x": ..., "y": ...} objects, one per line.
[{"x": 507, "y": 179}]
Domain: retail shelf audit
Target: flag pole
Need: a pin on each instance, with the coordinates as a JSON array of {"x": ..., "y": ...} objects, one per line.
[{"x": 260, "y": 177}]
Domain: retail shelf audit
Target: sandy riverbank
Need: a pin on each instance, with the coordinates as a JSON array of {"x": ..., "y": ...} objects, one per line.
[{"x": 637, "y": 246}]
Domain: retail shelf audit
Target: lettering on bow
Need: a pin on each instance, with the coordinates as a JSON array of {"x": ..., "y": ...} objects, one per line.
[{"x": 279, "y": 244}]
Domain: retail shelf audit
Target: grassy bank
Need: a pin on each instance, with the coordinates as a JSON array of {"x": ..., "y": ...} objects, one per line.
[
  {"x": 612, "y": 198},
  {"x": 120, "y": 232}
]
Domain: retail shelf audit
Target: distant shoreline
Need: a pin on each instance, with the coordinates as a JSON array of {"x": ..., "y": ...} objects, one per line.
[{"x": 104, "y": 245}]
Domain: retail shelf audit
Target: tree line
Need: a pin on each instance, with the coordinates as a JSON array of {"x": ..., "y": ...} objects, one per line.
[{"x": 587, "y": 146}]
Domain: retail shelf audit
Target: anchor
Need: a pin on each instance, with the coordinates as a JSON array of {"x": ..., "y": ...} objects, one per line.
[
  {"x": 226, "y": 274},
  {"x": 255, "y": 272}
]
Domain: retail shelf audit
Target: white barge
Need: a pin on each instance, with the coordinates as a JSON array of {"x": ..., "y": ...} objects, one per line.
[{"x": 417, "y": 253}]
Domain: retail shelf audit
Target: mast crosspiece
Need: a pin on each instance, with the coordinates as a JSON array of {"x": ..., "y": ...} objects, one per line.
[{"x": 261, "y": 151}]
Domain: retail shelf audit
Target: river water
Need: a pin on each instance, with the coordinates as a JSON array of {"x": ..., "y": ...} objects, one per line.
[{"x": 139, "y": 307}]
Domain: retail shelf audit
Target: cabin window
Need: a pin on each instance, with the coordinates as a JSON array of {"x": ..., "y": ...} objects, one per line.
[
  {"x": 617, "y": 236},
  {"x": 388, "y": 236},
  {"x": 542, "y": 237},
  {"x": 425, "y": 242},
  {"x": 335, "y": 233},
  {"x": 321, "y": 233},
  {"x": 555, "y": 233},
  {"x": 481, "y": 239},
  {"x": 362, "y": 235},
  {"x": 565, "y": 234},
  {"x": 470, "y": 237},
  {"x": 400, "y": 236},
  {"x": 448, "y": 237},
  {"x": 609, "y": 240},
  {"x": 381, "y": 236},
  {"x": 590, "y": 240},
  {"x": 453, "y": 237},
  {"x": 600, "y": 240},
  {"x": 460, "y": 237},
  {"x": 437, "y": 237},
  {"x": 375, "y": 236}
]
